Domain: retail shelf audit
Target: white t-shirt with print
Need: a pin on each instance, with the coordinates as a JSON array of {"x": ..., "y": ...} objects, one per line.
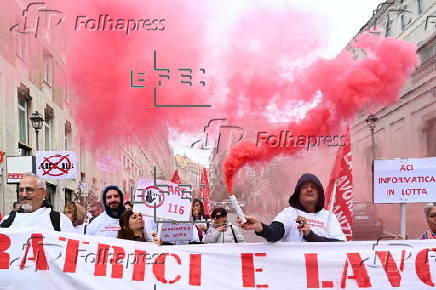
[
  {"x": 40, "y": 219},
  {"x": 318, "y": 223},
  {"x": 103, "y": 225}
]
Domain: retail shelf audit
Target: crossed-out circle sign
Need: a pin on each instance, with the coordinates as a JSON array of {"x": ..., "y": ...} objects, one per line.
[
  {"x": 152, "y": 197},
  {"x": 56, "y": 165}
]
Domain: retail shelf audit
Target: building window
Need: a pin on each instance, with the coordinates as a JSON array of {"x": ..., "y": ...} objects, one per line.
[
  {"x": 430, "y": 131},
  {"x": 68, "y": 138},
  {"x": 388, "y": 26},
  {"x": 428, "y": 51},
  {"x": 24, "y": 98},
  {"x": 21, "y": 41},
  {"x": 23, "y": 120},
  {"x": 419, "y": 6},
  {"x": 249, "y": 171},
  {"x": 48, "y": 69},
  {"x": 48, "y": 127},
  {"x": 51, "y": 193},
  {"x": 402, "y": 22}
]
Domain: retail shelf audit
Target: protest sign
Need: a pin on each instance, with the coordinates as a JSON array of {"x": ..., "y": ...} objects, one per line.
[
  {"x": 405, "y": 180},
  {"x": 171, "y": 201},
  {"x": 175, "y": 232},
  {"x": 56, "y": 164}
]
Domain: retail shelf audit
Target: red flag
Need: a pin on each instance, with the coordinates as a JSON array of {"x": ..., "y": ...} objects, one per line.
[
  {"x": 340, "y": 202},
  {"x": 204, "y": 192},
  {"x": 176, "y": 178},
  {"x": 1, "y": 156}
]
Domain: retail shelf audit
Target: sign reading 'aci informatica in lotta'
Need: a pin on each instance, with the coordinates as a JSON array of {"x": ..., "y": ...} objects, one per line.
[
  {"x": 56, "y": 164},
  {"x": 405, "y": 180}
]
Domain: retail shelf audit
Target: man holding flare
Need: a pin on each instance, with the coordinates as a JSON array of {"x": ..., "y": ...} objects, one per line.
[{"x": 305, "y": 220}]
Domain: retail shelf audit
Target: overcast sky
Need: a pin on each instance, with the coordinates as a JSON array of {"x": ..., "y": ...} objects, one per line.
[{"x": 344, "y": 19}]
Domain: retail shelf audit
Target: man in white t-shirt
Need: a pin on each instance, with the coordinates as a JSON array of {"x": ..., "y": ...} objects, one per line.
[
  {"x": 36, "y": 212},
  {"x": 107, "y": 223},
  {"x": 305, "y": 220}
]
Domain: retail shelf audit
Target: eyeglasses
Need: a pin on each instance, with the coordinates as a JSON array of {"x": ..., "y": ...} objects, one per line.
[{"x": 28, "y": 189}]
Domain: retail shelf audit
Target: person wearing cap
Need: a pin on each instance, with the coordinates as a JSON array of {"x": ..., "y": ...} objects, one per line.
[
  {"x": 221, "y": 231},
  {"x": 107, "y": 223},
  {"x": 305, "y": 220}
]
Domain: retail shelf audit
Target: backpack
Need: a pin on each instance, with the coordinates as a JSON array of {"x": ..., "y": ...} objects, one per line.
[{"x": 55, "y": 218}]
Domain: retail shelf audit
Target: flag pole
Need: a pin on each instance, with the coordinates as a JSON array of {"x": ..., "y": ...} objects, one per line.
[{"x": 332, "y": 202}]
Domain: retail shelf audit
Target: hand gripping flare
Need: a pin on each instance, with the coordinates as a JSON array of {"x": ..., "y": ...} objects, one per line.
[{"x": 237, "y": 207}]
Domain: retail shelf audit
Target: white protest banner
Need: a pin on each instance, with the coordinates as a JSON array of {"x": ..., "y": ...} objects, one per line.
[
  {"x": 16, "y": 166},
  {"x": 56, "y": 164},
  {"x": 174, "y": 232},
  {"x": 405, "y": 180},
  {"x": 172, "y": 201},
  {"x": 47, "y": 260}
]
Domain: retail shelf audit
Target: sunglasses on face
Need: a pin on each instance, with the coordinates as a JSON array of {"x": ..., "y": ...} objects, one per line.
[{"x": 28, "y": 189}]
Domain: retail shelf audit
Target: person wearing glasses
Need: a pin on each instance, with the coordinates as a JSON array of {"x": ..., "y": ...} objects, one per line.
[
  {"x": 36, "y": 211},
  {"x": 221, "y": 231}
]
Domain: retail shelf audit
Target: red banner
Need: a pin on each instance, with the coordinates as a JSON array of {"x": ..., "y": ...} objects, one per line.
[
  {"x": 176, "y": 178},
  {"x": 2, "y": 154},
  {"x": 204, "y": 192},
  {"x": 342, "y": 203}
]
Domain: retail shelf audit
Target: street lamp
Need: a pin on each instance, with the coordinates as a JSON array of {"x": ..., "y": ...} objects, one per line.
[
  {"x": 37, "y": 122},
  {"x": 371, "y": 121}
]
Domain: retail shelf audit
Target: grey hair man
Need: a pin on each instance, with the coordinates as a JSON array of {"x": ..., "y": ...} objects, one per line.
[{"x": 37, "y": 212}]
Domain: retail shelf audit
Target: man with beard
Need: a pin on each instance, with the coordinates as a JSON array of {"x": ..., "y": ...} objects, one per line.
[
  {"x": 107, "y": 223},
  {"x": 35, "y": 211}
]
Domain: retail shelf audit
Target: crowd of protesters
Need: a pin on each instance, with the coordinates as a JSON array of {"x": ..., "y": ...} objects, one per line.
[{"x": 305, "y": 220}]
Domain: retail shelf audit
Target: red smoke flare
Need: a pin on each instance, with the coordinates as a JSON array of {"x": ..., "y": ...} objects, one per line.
[{"x": 347, "y": 85}]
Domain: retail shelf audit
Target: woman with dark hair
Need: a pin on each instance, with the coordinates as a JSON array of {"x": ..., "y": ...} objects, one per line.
[
  {"x": 132, "y": 227},
  {"x": 199, "y": 215},
  {"x": 198, "y": 210}
]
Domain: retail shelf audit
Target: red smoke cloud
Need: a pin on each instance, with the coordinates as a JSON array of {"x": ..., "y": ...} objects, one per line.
[
  {"x": 347, "y": 86},
  {"x": 244, "y": 59}
]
